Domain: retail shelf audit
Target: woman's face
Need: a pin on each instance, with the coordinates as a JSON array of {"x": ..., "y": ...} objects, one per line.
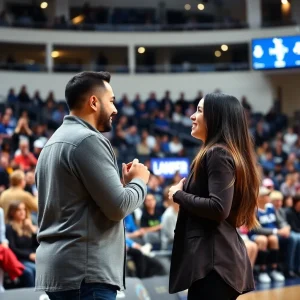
[
  {"x": 20, "y": 213},
  {"x": 199, "y": 130}
]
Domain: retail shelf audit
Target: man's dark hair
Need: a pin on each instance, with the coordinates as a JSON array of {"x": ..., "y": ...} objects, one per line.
[
  {"x": 296, "y": 199},
  {"x": 81, "y": 84}
]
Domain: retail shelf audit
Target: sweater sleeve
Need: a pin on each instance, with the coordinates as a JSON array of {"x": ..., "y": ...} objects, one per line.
[
  {"x": 94, "y": 163},
  {"x": 221, "y": 175}
]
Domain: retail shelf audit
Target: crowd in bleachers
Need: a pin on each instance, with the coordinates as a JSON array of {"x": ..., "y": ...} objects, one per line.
[
  {"x": 117, "y": 18},
  {"x": 146, "y": 128}
]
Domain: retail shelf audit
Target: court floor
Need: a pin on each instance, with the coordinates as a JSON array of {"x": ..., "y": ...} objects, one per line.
[{"x": 290, "y": 290}]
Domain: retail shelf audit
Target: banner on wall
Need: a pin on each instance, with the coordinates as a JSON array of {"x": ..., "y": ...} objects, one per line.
[{"x": 167, "y": 167}]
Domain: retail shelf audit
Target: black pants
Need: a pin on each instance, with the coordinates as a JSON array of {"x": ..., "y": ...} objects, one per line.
[{"x": 212, "y": 287}]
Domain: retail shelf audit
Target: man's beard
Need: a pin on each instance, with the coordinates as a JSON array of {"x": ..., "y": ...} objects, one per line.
[{"x": 104, "y": 122}]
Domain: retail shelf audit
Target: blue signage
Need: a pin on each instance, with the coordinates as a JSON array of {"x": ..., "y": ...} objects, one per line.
[
  {"x": 276, "y": 53},
  {"x": 167, "y": 167}
]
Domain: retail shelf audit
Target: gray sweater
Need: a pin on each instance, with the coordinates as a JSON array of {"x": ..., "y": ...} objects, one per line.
[{"x": 82, "y": 204}]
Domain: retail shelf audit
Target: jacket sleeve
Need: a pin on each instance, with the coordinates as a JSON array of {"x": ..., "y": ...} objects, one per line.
[
  {"x": 262, "y": 231},
  {"x": 93, "y": 162},
  {"x": 221, "y": 175}
]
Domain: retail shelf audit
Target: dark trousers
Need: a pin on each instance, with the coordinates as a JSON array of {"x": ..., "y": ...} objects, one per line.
[
  {"x": 87, "y": 291},
  {"x": 211, "y": 287}
]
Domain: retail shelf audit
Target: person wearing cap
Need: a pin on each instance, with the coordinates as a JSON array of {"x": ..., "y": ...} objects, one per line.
[
  {"x": 291, "y": 242},
  {"x": 266, "y": 238}
]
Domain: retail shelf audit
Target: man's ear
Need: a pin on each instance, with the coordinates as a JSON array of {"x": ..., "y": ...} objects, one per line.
[{"x": 93, "y": 102}]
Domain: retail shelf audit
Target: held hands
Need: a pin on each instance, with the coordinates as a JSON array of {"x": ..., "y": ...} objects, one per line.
[
  {"x": 135, "y": 169},
  {"x": 178, "y": 187}
]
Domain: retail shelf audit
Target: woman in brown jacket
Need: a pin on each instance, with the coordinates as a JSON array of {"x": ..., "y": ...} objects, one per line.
[{"x": 209, "y": 257}]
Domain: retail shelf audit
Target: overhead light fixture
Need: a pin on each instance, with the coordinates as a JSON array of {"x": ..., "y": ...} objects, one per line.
[
  {"x": 187, "y": 7},
  {"x": 141, "y": 50},
  {"x": 55, "y": 54},
  {"x": 218, "y": 53},
  {"x": 284, "y": 2},
  {"x": 224, "y": 47},
  {"x": 44, "y": 5},
  {"x": 201, "y": 6},
  {"x": 77, "y": 20}
]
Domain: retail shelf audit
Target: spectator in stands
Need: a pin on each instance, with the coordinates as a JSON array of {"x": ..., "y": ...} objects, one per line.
[
  {"x": 175, "y": 146},
  {"x": 182, "y": 102},
  {"x": 58, "y": 114},
  {"x": 151, "y": 221},
  {"x": 288, "y": 187},
  {"x": 293, "y": 214},
  {"x": 152, "y": 103},
  {"x": 37, "y": 100},
  {"x": 168, "y": 224},
  {"x": 4, "y": 173},
  {"x": 142, "y": 148},
  {"x": 246, "y": 104},
  {"x": 287, "y": 202},
  {"x": 12, "y": 99},
  {"x": 38, "y": 146},
  {"x": 16, "y": 191},
  {"x": 252, "y": 248},
  {"x": 30, "y": 184},
  {"x": 290, "y": 239},
  {"x": 132, "y": 137},
  {"x": 23, "y": 96},
  {"x": 8, "y": 260},
  {"x": 161, "y": 121},
  {"x": 136, "y": 102},
  {"x": 166, "y": 100},
  {"x": 50, "y": 97},
  {"x": 268, "y": 163},
  {"x": 177, "y": 114},
  {"x": 279, "y": 155},
  {"x": 296, "y": 148},
  {"x": 290, "y": 138},
  {"x": 155, "y": 188},
  {"x": 150, "y": 139},
  {"x": 165, "y": 144},
  {"x": 127, "y": 109},
  {"x": 24, "y": 158},
  {"x": 133, "y": 232},
  {"x": 21, "y": 234},
  {"x": 266, "y": 237},
  {"x": 260, "y": 134},
  {"x": 22, "y": 131}
]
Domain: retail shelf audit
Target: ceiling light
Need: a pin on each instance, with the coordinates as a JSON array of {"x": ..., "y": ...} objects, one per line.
[
  {"x": 55, "y": 54},
  {"x": 141, "y": 50},
  {"x": 284, "y": 2},
  {"x": 187, "y": 7},
  {"x": 201, "y": 6},
  {"x": 224, "y": 47},
  {"x": 44, "y": 5},
  {"x": 218, "y": 53}
]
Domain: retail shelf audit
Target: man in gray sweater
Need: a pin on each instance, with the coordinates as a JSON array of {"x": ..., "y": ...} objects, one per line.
[{"x": 82, "y": 202}]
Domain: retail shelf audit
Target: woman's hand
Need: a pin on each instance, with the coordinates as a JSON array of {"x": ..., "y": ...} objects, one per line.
[{"x": 178, "y": 187}]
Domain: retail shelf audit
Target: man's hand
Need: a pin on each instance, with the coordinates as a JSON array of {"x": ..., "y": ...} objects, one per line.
[
  {"x": 135, "y": 170},
  {"x": 284, "y": 232}
]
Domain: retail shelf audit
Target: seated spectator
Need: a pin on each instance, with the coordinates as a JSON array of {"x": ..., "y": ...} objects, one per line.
[
  {"x": 132, "y": 231},
  {"x": 4, "y": 173},
  {"x": 8, "y": 261},
  {"x": 127, "y": 109},
  {"x": 165, "y": 144},
  {"x": 151, "y": 221},
  {"x": 30, "y": 184},
  {"x": 38, "y": 146},
  {"x": 152, "y": 104},
  {"x": 280, "y": 156},
  {"x": 290, "y": 139},
  {"x": 16, "y": 191},
  {"x": 260, "y": 135},
  {"x": 132, "y": 137},
  {"x": 296, "y": 148},
  {"x": 23, "y": 96},
  {"x": 293, "y": 218},
  {"x": 288, "y": 188},
  {"x": 252, "y": 248},
  {"x": 161, "y": 121},
  {"x": 266, "y": 237},
  {"x": 182, "y": 102},
  {"x": 37, "y": 100},
  {"x": 291, "y": 239},
  {"x": 22, "y": 131},
  {"x": 21, "y": 235},
  {"x": 12, "y": 99},
  {"x": 144, "y": 265},
  {"x": 58, "y": 114},
  {"x": 267, "y": 162},
  {"x": 175, "y": 146},
  {"x": 168, "y": 223},
  {"x": 155, "y": 188},
  {"x": 142, "y": 148},
  {"x": 177, "y": 114},
  {"x": 24, "y": 158}
]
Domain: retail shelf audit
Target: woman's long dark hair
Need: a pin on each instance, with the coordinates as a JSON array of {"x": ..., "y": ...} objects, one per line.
[{"x": 227, "y": 126}]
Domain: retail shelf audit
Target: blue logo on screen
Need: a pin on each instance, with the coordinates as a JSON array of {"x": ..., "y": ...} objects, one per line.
[
  {"x": 276, "y": 53},
  {"x": 167, "y": 167}
]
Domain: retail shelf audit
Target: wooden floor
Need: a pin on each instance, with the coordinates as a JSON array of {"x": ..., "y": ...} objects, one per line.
[{"x": 285, "y": 293}]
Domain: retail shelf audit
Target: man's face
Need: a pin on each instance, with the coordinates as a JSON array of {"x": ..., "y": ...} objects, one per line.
[{"x": 107, "y": 108}]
